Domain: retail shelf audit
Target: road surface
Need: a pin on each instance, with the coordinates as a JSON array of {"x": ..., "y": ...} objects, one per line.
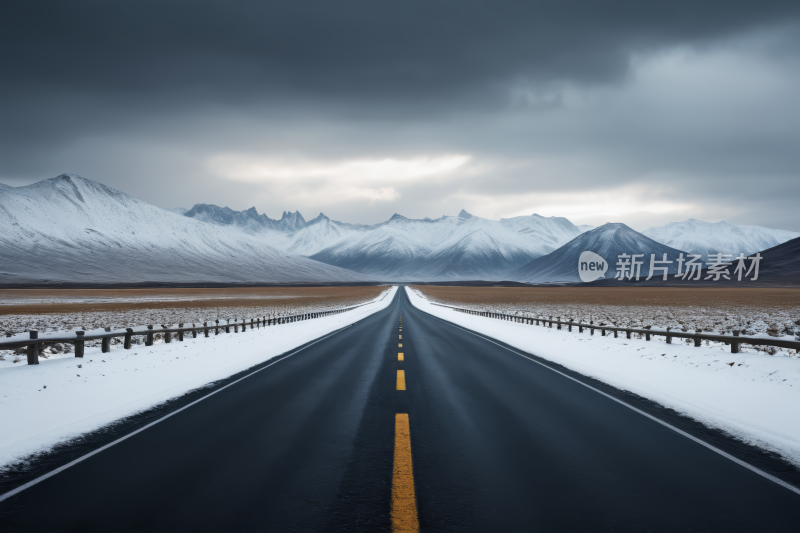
[{"x": 462, "y": 434}]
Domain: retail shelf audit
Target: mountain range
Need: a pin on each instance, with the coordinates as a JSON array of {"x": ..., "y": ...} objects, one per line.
[
  {"x": 608, "y": 242},
  {"x": 779, "y": 266},
  {"x": 706, "y": 238},
  {"x": 73, "y": 230},
  {"x": 404, "y": 249},
  {"x": 70, "y": 229}
]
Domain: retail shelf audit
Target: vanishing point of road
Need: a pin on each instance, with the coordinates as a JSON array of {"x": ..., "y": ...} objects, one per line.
[{"x": 405, "y": 422}]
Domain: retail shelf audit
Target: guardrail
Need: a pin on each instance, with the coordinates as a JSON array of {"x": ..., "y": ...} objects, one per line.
[
  {"x": 734, "y": 340},
  {"x": 35, "y": 344}
]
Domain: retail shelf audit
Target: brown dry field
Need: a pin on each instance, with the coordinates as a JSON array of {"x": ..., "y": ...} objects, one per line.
[
  {"x": 284, "y": 297},
  {"x": 623, "y": 296}
]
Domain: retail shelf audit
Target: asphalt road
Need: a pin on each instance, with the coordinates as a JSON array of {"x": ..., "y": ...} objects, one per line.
[{"x": 499, "y": 443}]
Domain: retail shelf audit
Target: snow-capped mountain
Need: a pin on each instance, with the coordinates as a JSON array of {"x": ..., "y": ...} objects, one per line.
[
  {"x": 447, "y": 248},
  {"x": 704, "y": 238},
  {"x": 70, "y": 229},
  {"x": 607, "y": 241},
  {"x": 248, "y": 220},
  {"x": 316, "y": 235},
  {"x": 780, "y": 264}
]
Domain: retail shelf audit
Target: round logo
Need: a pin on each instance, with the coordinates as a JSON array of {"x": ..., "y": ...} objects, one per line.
[{"x": 591, "y": 266}]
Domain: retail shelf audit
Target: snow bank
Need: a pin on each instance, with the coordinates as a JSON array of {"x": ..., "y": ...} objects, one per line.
[
  {"x": 56, "y": 400},
  {"x": 755, "y": 399}
]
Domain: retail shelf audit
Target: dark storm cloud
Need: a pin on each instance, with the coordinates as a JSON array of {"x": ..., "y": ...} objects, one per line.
[
  {"x": 138, "y": 94},
  {"x": 381, "y": 51}
]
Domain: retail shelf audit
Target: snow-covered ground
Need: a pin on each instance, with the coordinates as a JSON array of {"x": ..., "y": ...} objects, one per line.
[
  {"x": 61, "y": 398},
  {"x": 759, "y": 318},
  {"x": 123, "y": 317},
  {"x": 154, "y": 298},
  {"x": 752, "y": 396}
]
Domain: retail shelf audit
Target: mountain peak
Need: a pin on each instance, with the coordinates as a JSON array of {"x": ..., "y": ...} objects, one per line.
[
  {"x": 464, "y": 214},
  {"x": 211, "y": 213},
  {"x": 321, "y": 217},
  {"x": 75, "y": 187},
  {"x": 608, "y": 241},
  {"x": 292, "y": 221},
  {"x": 704, "y": 238}
]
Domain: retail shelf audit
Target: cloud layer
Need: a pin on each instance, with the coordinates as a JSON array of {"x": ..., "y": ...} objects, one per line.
[{"x": 638, "y": 112}]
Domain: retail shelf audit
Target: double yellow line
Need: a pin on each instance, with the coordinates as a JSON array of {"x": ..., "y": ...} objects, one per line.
[{"x": 404, "y": 499}]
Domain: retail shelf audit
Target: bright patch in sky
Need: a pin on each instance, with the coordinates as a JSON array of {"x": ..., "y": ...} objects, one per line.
[
  {"x": 243, "y": 168},
  {"x": 328, "y": 182}
]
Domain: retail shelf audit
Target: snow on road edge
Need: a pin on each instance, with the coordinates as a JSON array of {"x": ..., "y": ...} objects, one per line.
[
  {"x": 54, "y": 401},
  {"x": 754, "y": 400}
]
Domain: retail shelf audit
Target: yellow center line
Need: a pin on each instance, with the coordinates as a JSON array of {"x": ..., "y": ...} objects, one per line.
[
  {"x": 401, "y": 380},
  {"x": 404, "y": 501},
  {"x": 400, "y": 356}
]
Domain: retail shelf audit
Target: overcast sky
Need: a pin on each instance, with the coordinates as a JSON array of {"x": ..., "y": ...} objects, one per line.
[{"x": 625, "y": 111}]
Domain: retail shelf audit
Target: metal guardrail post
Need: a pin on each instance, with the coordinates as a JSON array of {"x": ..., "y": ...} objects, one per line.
[
  {"x": 79, "y": 343},
  {"x": 149, "y": 339},
  {"x": 205, "y": 331},
  {"x": 167, "y": 336},
  {"x": 180, "y": 332},
  {"x": 697, "y": 339},
  {"x": 734, "y": 344},
  {"x": 669, "y": 337},
  {"x": 105, "y": 342},
  {"x": 33, "y": 349},
  {"x": 128, "y": 338}
]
